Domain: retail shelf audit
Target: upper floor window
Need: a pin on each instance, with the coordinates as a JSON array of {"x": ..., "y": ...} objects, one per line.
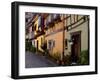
[
  {"x": 41, "y": 40},
  {"x": 39, "y": 20},
  {"x": 26, "y": 19},
  {"x": 35, "y": 27},
  {"x": 66, "y": 43},
  {"x": 39, "y": 23},
  {"x": 50, "y": 18},
  {"x": 32, "y": 28},
  {"x": 51, "y": 44},
  {"x": 55, "y": 16},
  {"x": 72, "y": 19}
]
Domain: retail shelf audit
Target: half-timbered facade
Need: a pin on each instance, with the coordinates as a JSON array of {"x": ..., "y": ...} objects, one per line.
[
  {"x": 76, "y": 35},
  {"x": 64, "y": 34}
]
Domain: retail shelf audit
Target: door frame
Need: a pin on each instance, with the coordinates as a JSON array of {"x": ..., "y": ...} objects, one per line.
[{"x": 75, "y": 33}]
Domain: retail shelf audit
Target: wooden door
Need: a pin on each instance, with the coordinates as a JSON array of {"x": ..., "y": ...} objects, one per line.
[{"x": 75, "y": 49}]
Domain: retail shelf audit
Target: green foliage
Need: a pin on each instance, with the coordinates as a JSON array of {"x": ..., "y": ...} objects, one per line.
[
  {"x": 29, "y": 46},
  {"x": 33, "y": 49},
  {"x": 56, "y": 56},
  {"x": 84, "y": 57}
]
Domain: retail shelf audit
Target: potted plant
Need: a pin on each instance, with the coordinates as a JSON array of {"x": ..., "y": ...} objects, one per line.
[{"x": 84, "y": 57}]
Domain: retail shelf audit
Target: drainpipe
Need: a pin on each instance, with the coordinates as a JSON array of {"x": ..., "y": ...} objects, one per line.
[{"x": 63, "y": 42}]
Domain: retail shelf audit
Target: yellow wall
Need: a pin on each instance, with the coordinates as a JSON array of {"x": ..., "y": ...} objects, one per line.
[
  {"x": 39, "y": 42},
  {"x": 36, "y": 23},
  {"x": 57, "y": 37},
  {"x": 84, "y": 36},
  {"x": 38, "y": 38}
]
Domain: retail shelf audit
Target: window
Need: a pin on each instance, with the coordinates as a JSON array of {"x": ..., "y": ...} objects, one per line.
[
  {"x": 39, "y": 21},
  {"x": 85, "y": 17},
  {"x": 49, "y": 18},
  {"x": 65, "y": 42},
  {"x": 41, "y": 40},
  {"x": 35, "y": 27},
  {"x": 72, "y": 19},
  {"x": 39, "y": 29},
  {"x": 55, "y": 16},
  {"x": 32, "y": 28},
  {"x": 26, "y": 20},
  {"x": 51, "y": 44},
  {"x": 46, "y": 22}
]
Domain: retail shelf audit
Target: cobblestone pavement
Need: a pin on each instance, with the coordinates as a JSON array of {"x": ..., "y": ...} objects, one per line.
[{"x": 33, "y": 60}]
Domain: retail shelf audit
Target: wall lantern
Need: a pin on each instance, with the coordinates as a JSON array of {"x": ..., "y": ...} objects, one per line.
[{"x": 70, "y": 41}]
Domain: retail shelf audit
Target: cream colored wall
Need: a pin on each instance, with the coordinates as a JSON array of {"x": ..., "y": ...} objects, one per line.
[
  {"x": 84, "y": 36},
  {"x": 39, "y": 37}
]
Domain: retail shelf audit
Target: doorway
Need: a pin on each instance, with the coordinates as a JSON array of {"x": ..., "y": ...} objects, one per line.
[
  {"x": 37, "y": 45},
  {"x": 76, "y": 46}
]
